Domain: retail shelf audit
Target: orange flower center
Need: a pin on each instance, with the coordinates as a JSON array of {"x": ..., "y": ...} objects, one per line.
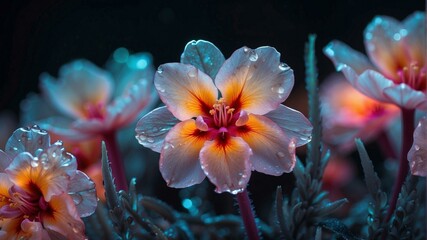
[
  {"x": 414, "y": 76},
  {"x": 222, "y": 114}
]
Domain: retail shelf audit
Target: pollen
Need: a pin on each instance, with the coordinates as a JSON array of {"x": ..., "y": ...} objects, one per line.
[{"x": 222, "y": 113}]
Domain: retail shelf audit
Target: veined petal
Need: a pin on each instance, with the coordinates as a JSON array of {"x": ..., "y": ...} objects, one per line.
[
  {"x": 273, "y": 151},
  {"x": 226, "y": 163},
  {"x": 255, "y": 80},
  {"x": 203, "y": 55},
  {"x": 295, "y": 125},
  {"x": 30, "y": 140},
  {"x": 153, "y": 127},
  {"x": 340, "y": 53},
  {"x": 415, "y": 38},
  {"x": 179, "y": 158},
  {"x": 5, "y": 184},
  {"x": 63, "y": 127},
  {"x": 417, "y": 155},
  {"x": 405, "y": 96},
  {"x": 80, "y": 85},
  {"x": 83, "y": 192},
  {"x": 385, "y": 46},
  {"x": 372, "y": 84},
  {"x": 63, "y": 218},
  {"x": 5, "y": 160},
  {"x": 185, "y": 90},
  {"x": 33, "y": 230}
]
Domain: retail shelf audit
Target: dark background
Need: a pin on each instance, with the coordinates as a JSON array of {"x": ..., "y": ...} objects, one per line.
[{"x": 41, "y": 36}]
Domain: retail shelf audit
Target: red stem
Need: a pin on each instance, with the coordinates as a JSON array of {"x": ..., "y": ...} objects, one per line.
[
  {"x": 407, "y": 139},
  {"x": 117, "y": 167},
  {"x": 247, "y": 215}
]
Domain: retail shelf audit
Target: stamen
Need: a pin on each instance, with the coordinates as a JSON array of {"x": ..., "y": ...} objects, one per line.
[{"x": 413, "y": 75}]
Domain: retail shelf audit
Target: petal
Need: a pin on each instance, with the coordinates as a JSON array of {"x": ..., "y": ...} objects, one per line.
[
  {"x": 255, "y": 80},
  {"x": 62, "y": 218},
  {"x": 179, "y": 158},
  {"x": 5, "y": 160},
  {"x": 153, "y": 127},
  {"x": 372, "y": 84},
  {"x": 405, "y": 96},
  {"x": 32, "y": 140},
  {"x": 273, "y": 151},
  {"x": 340, "y": 53},
  {"x": 79, "y": 85},
  {"x": 203, "y": 55},
  {"x": 385, "y": 46},
  {"x": 35, "y": 107},
  {"x": 294, "y": 124},
  {"x": 83, "y": 192},
  {"x": 226, "y": 163},
  {"x": 33, "y": 230},
  {"x": 50, "y": 171},
  {"x": 415, "y": 39},
  {"x": 63, "y": 127},
  {"x": 417, "y": 155},
  {"x": 185, "y": 90},
  {"x": 5, "y": 184}
]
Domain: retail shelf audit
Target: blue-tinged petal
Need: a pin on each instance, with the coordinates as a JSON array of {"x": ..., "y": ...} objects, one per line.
[
  {"x": 82, "y": 191},
  {"x": 34, "y": 108},
  {"x": 295, "y": 125},
  {"x": 415, "y": 37},
  {"x": 341, "y": 54},
  {"x": 5, "y": 160},
  {"x": 255, "y": 80},
  {"x": 32, "y": 140},
  {"x": 406, "y": 97},
  {"x": 372, "y": 84},
  {"x": 64, "y": 128},
  {"x": 417, "y": 155},
  {"x": 203, "y": 55},
  {"x": 151, "y": 129},
  {"x": 226, "y": 163},
  {"x": 80, "y": 86}
]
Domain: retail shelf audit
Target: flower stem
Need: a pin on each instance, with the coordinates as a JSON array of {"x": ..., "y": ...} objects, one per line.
[
  {"x": 247, "y": 215},
  {"x": 407, "y": 139},
  {"x": 117, "y": 167}
]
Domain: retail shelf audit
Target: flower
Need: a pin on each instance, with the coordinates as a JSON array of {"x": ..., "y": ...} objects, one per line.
[
  {"x": 95, "y": 101},
  {"x": 227, "y": 127},
  {"x": 417, "y": 155},
  {"x": 42, "y": 194},
  {"x": 348, "y": 114},
  {"x": 397, "y": 73}
]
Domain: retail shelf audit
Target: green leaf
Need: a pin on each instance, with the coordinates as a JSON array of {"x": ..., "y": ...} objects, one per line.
[{"x": 373, "y": 183}]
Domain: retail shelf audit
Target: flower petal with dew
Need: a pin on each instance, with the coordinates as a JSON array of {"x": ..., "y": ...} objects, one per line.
[
  {"x": 396, "y": 49},
  {"x": 417, "y": 155},
  {"x": 42, "y": 194},
  {"x": 348, "y": 114},
  {"x": 219, "y": 129}
]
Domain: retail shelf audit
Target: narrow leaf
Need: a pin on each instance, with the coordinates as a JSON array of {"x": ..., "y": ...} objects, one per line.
[{"x": 373, "y": 183}]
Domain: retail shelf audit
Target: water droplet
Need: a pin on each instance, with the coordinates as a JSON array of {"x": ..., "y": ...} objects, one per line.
[
  {"x": 194, "y": 43},
  {"x": 280, "y": 154},
  {"x": 279, "y": 89},
  {"x": 245, "y": 49},
  {"x": 284, "y": 67},
  {"x": 160, "y": 88},
  {"x": 253, "y": 57},
  {"x": 397, "y": 36},
  {"x": 34, "y": 163},
  {"x": 160, "y": 70},
  {"x": 416, "y": 147},
  {"x": 150, "y": 140},
  {"x": 191, "y": 74}
]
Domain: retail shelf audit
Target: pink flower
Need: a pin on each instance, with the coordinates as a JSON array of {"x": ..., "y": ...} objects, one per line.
[
  {"x": 95, "y": 101},
  {"x": 226, "y": 127},
  {"x": 417, "y": 155},
  {"x": 396, "y": 71},
  {"x": 348, "y": 114},
  {"x": 42, "y": 194}
]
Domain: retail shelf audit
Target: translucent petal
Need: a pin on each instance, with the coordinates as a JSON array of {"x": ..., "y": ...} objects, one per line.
[
  {"x": 185, "y": 90},
  {"x": 179, "y": 158},
  {"x": 82, "y": 191},
  {"x": 273, "y": 151},
  {"x": 404, "y": 96},
  {"x": 153, "y": 127},
  {"x": 63, "y": 218},
  {"x": 385, "y": 45},
  {"x": 372, "y": 84},
  {"x": 203, "y": 55},
  {"x": 255, "y": 80},
  {"x": 80, "y": 84},
  {"x": 341, "y": 54},
  {"x": 226, "y": 163},
  {"x": 295, "y": 125},
  {"x": 417, "y": 155},
  {"x": 31, "y": 139},
  {"x": 5, "y": 160},
  {"x": 5, "y": 184},
  {"x": 64, "y": 128},
  {"x": 415, "y": 38}
]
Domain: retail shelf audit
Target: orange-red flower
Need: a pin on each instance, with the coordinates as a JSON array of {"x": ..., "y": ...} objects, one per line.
[
  {"x": 227, "y": 127},
  {"x": 42, "y": 194}
]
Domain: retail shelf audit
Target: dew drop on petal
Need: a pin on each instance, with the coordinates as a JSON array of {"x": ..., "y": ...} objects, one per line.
[
  {"x": 34, "y": 163},
  {"x": 245, "y": 49},
  {"x": 280, "y": 154},
  {"x": 191, "y": 74},
  {"x": 160, "y": 70},
  {"x": 416, "y": 147},
  {"x": 284, "y": 67},
  {"x": 150, "y": 140},
  {"x": 253, "y": 57}
]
